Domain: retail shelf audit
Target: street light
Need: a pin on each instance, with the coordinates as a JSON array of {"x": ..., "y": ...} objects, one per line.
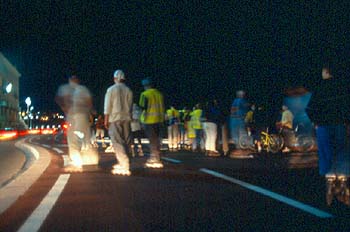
[
  {"x": 31, "y": 116},
  {"x": 8, "y": 88},
  {"x": 28, "y": 103}
]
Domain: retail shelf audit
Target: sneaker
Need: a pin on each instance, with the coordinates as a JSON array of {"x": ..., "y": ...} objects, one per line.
[
  {"x": 120, "y": 170},
  {"x": 153, "y": 163},
  {"x": 73, "y": 168},
  {"x": 109, "y": 149},
  {"x": 214, "y": 153},
  {"x": 140, "y": 152}
]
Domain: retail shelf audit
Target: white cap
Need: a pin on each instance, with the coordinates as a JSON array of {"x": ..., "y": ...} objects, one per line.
[{"x": 119, "y": 75}]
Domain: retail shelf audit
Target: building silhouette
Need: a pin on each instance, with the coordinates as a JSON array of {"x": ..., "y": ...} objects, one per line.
[{"x": 9, "y": 94}]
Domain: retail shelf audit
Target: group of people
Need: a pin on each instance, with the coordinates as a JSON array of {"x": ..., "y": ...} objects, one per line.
[
  {"x": 200, "y": 129},
  {"x": 119, "y": 117},
  {"x": 205, "y": 128}
]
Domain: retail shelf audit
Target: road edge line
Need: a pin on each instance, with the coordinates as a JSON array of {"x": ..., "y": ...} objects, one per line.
[{"x": 17, "y": 187}]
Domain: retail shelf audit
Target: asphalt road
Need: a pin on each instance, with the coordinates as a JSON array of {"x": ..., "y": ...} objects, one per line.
[
  {"x": 191, "y": 193},
  {"x": 11, "y": 161}
]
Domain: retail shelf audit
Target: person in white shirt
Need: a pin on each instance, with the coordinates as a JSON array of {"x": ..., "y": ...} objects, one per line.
[
  {"x": 117, "y": 110},
  {"x": 76, "y": 102}
]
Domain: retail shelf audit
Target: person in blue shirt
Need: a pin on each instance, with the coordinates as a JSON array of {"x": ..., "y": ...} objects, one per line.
[{"x": 239, "y": 109}]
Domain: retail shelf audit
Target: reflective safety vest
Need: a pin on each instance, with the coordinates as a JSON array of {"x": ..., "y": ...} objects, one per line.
[
  {"x": 155, "y": 107},
  {"x": 196, "y": 119},
  {"x": 191, "y": 133},
  {"x": 173, "y": 116}
]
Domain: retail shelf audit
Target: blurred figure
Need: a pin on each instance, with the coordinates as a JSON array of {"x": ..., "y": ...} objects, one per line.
[
  {"x": 239, "y": 109},
  {"x": 75, "y": 101},
  {"x": 152, "y": 118},
  {"x": 183, "y": 125},
  {"x": 136, "y": 131},
  {"x": 172, "y": 117},
  {"x": 190, "y": 131},
  {"x": 196, "y": 123},
  {"x": 329, "y": 110},
  {"x": 117, "y": 110},
  {"x": 249, "y": 119},
  {"x": 93, "y": 130},
  {"x": 210, "y": 127},
  {"x": 100, "y": 130},
  {"x": 286, "y": 125},
  {"x": 286, "y": 119}
]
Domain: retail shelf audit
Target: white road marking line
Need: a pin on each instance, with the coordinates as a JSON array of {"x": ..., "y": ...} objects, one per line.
[
  {"x": 59, "y": 151},
  {"x": 36, "y": 219},
  {"x": 62, "y": 145},
  {"x": 278, "y": 197},
  {"x": 47, "y": 146},
  {"x": 66, "y": 160},
  {"x": 171, "y": 160}
]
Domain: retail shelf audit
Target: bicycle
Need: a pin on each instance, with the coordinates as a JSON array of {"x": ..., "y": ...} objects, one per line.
[
  {"x": 268, "y": 142},
  {"x": 301, "y": 142}
]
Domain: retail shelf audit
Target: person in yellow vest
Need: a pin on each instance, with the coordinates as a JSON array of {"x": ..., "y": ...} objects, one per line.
[
  {"x": 196, "y": 123},
  {"x": 152, "y": 118},
  {"x": 172, "y": 117}
]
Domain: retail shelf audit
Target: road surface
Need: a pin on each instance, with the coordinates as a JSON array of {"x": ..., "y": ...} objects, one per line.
[{"x": 191, "y": 193}]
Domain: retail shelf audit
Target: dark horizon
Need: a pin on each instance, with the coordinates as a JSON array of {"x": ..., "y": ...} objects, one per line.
[{"x": 192, "y": 51}]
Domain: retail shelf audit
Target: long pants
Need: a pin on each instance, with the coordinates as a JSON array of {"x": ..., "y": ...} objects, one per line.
[
  {"x": 120, "y": 134},
  {"x": 173, "y": 136},
  {"x": 153, "y": 131},
  {"x": 224, "y": 139},
  {"x": 100, "y": 133},
  {"x": 198, "y": 140},
  {"x": 138, "y": 136},
  {"x": 183, "y": 134},
  {"x": 331, "y": 143},
  {"x": 210, "y": 135},
  {"x": 237, "y": 129}
]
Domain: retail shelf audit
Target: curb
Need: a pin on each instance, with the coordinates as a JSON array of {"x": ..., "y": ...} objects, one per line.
[{"x": 16, "y": 188}]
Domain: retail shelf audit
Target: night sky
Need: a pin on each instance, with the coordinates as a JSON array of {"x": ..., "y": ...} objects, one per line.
[{"x": 194, "y": 50}]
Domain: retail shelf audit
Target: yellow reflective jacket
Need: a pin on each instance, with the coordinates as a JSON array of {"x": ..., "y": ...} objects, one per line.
[
  {"x": 196, "y": 119},
  {"x": 153, "y": 100}
]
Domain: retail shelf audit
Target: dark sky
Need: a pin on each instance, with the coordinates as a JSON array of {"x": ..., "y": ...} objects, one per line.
[{"x": 194, "y": 50}]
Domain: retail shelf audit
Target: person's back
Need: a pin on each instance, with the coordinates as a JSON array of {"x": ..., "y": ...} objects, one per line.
[
  {"x": 151, "y": 100},
  {"x": 64, "y": 98},
  {"x": 287, "y": 119},
  {"x": 172, "y": 116},
  {"x": 328, "y": 104},
  {"x": 240, "y": 106},
  {"x": 117, "y": 110},
  {"x": 196, "y": 118},
  {"x": 119, "y": 102},
  {"x": 81, "y": 100},
  {"x": 152, "y": 104}
]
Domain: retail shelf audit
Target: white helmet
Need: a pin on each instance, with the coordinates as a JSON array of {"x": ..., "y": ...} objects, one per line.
[{"x": 119, "y": 75}]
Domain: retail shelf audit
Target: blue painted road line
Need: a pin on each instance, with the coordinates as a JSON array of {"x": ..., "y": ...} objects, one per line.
[{"x": 171, "y": 160}]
